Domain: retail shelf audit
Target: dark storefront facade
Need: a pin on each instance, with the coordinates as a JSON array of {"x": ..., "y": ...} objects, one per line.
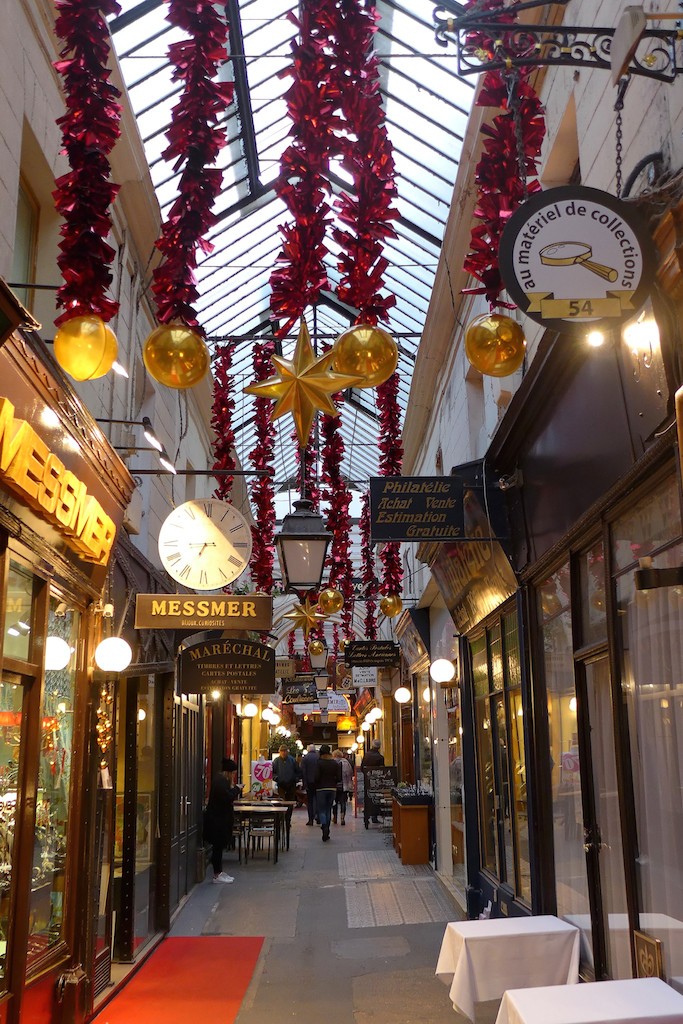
[{"x": 572, "y": 689}]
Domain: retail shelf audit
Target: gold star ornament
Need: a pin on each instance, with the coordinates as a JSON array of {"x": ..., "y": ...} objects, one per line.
[
  {"x": 303, "y": 385},
  {"x": 304, "y": 616}
]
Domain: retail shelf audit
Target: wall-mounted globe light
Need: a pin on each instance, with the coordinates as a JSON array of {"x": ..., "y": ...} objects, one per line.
[
  {"x": 442, "y": 670},
  {"x": 113, "y": 654},
  {"x": 366, "y": 726},
  {"x": 427, "y": 694},
  {"x": 250, "y": 710},
  {"x": 402, "y": 695},
  {"x": 57, "y": 654}
]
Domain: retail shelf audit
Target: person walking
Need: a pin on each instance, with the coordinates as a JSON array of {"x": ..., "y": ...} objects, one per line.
[
  {"x": 285, "y": 774},
  {"x": 343, "y": 786},
  {"x": 219, "y": 816},
  {"x": 327, "y": 776},
  {"x": 372, "y": 759},
  {"x": 309, "y": 767}
]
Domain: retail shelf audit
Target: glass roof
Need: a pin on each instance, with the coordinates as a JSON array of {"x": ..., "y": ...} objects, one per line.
[{"x": 426, "y": 106}]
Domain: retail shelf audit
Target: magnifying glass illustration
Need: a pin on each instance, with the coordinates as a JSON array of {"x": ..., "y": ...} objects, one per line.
[{"x": 565, "y": 254}]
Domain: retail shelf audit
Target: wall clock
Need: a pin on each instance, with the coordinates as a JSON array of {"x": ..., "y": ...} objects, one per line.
[{"x": 205, "y": 544}]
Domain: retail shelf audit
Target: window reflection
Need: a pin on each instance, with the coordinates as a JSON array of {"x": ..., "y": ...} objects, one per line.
[
  {"x": 11, "y": 698},
  {"x": 18, "y": 613}
]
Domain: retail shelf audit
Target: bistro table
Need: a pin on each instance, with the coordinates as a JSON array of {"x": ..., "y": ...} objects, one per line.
[
  {"x": 254, "y": 810},
  {"x": 481, "y": 959},
  {"x": 635, "y": 1001}
]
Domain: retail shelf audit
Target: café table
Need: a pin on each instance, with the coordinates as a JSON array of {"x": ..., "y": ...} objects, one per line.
[
  {"x": 634, "y": 1001},
  {"x": 481, "y": 959},
  {"x": 255, "y": 810}
]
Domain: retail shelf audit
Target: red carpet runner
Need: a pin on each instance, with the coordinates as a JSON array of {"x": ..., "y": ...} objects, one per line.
[{"x": 202, "y": 978}]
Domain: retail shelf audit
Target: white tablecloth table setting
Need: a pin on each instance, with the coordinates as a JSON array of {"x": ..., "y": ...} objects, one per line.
[
  {"x": 635, "y": 1001},
  {"x": 481, "y": 959}
]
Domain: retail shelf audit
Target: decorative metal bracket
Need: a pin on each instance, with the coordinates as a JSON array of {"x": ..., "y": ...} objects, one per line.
[{"x": 658, "y": 56}]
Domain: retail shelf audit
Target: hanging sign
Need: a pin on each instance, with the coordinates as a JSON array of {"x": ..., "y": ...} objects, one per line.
[
  {"x": 382, "y": 653},
  {"x": 416, "y": 508},
  {"x": 237, "y": 666},
  {"x": 364, "y": 675},
  {"x": 285, "y": 668},
  {"x": 576, "y": 259},
  {"x": 302, "y": 691},
  {"x": 186, "y": 611}
]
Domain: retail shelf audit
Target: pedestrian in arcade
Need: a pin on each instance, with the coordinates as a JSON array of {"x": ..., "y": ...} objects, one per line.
[
  {"x": 326, "y": 779},
  {"x": 285, "y": 774},
  {"x": 372, "y": 759},
  {"x": 343, "y": 786},
  {"x": 219, "y": 816},
  {"x": 309, "y": 767}
]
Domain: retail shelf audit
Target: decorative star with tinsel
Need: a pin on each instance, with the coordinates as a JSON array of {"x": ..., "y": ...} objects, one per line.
[
  {"x": 304, "y": 616},
  {"x": 303, "y": 385}
]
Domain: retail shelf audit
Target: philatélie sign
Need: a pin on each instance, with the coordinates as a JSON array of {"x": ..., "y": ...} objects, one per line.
[
  {"x": 416, "y": 508},
  {"x": 576, "y": 258}
]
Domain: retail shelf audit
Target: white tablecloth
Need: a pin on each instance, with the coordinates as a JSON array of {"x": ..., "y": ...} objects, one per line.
[
  {"x": 642, "y": 1000},
  {"x": 480, "y": 959}
]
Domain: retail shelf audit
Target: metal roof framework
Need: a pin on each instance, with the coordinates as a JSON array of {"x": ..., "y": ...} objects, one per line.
[{"x": 427, "y": 106}]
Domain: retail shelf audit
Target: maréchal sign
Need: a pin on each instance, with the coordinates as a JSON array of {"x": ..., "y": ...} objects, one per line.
[
  {"x": 416, "y": 508},
  {"x": 576, "y": 258},
  {"x": 187, "y": 611},
  {"x": 237, "y": 666}
]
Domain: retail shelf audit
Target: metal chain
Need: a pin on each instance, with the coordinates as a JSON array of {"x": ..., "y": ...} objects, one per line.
[{"x": 619, "y": 151}]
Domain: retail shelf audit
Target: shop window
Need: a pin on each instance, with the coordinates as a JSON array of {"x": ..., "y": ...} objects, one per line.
[
  {"x": 46, "y": 905},
  {"x": 652, "y": 688},
  {"x": 25, "y": 240},
  {"x": 11, "y": 700},
  {"x": 455, "y": 780},
  {"x": 571, "y": 883},
  {"x": 18, "y": 613},
  {"x": 501, "y": 754},
  {"x": 593, "y": 605}
]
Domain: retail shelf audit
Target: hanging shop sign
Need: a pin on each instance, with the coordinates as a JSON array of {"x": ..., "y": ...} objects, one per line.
[
  {"x": 416, "y": 508},
  {"x": 244, "y": 666},
  {"x": 412, "y": 633},
  {"x": 382, "y": 653},
  {"x": 576, "y": 259},
  {"x": 364, "y": 675},
  {"x": 185, "y": 611},
  {"x": 337, "y": 704},
  {"x": 285, "y": 668},
  {"x": 365, "y": 700},
  {"x": 301, "y": 691}
]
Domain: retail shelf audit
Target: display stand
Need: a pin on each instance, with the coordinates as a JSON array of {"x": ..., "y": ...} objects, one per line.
[{"x": 411, "y": 830}]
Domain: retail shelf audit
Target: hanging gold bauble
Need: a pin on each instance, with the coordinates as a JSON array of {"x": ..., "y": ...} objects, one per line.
[
  {"x": 176, "y": 356},
  {"x": 495, "y": 344},
  {"x": 330, "y": 601},
  {"x": 85, "y": 347},
  {"x": 316, "y": 647},
  {"x": 391, "y": 605},
  {"x": 343, "y": 644},
  {"x": 342, "y": 670},
  {"x": 367, "y": 351}
]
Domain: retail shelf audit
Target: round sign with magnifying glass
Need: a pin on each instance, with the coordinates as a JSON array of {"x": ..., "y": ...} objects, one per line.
[{"x": 576, "y": 259}]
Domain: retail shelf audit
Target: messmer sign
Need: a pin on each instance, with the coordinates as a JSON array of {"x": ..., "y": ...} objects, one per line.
[{"x": 575, "y": 259}]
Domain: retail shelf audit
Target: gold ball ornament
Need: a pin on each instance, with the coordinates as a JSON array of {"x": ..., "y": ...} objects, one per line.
[
  {"x": 342, "y": 670},
  {"x": 316, "y": 647},
  {"x": 495, "y": 344},
  {"x": 391, "y": 605},
  {"x": 343, "y": 644},
  {"x": 330, "y": 601},
  {"x": 366, "y": 351},
  {"x": 176, "y": 356},
  {"x": 85, "y": 347}
]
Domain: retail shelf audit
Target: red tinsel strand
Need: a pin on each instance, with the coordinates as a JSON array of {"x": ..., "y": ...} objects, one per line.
[
  {"x": 390, "y": 461},
  {"x": 368, "y": 572},
  {"x": 497, "y": 175},
  {"x": 195, "y": 137},
  {"x": 338, "y": 496},
  {"x": 291, "y": 644},
  {"x": 221, "y": 420},
  {"x": 368, "y": 212},
  {"x": 303, "y": 183},
  {"x": 90, "y": 127},
  {"x": 262, "y": 490}
]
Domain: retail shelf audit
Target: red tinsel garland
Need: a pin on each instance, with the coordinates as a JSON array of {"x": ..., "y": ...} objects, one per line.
[
  {"x": 195, "y": 139},
  {"x": 390, "y": 461},
  {"x": 304, "y": 169},
  {"x": 262, "y": 490},
  {"x": 338, "y": 497},
  {"x": 368, "y": 212},
  {"x": 368, "y": 573},
  {"x": 221, "y": 421},
  {"x": 90, "y": 128},
  {"x": 501, "y": 188}
]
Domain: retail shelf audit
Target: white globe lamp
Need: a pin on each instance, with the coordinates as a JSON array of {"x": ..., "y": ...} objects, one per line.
[
  {"x": 57, "y": 654},
  {"x": 113, "y": 654},
  {"x": 402, "y": 695},
  {"x": 442, "y": 670}
]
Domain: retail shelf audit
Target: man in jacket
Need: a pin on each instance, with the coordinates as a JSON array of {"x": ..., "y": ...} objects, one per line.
[
  {"x": 309, "y": 767},
  {"x": 372, "y": 759},
  {"x": 285, "y": 774}
]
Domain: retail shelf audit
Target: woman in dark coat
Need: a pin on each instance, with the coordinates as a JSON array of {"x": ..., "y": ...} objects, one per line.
[{"x": 219, "y": 816}]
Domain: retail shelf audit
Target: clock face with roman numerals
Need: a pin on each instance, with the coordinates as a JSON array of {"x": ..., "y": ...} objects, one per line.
[{"x": 205, "y": 544}]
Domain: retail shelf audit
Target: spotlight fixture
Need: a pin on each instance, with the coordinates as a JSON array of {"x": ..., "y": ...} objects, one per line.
[
  {"x": 148, "y": 431},
  {"x": 166, "y": 463}
]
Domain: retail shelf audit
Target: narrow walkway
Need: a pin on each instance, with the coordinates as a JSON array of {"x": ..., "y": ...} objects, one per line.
[{"x": 351, "y": 935}]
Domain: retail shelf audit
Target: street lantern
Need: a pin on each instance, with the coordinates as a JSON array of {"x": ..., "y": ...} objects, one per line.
[{"x": 301, "y": 547}]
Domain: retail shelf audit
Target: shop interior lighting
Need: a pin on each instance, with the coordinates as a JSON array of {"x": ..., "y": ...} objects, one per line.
[
  {"x": 596, "y": 339},
  {"x": 427, "y": 694}
]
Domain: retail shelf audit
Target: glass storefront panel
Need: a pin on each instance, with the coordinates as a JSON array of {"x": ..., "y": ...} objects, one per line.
[
  {"x": 571, "y": 883},
  {"x": 652, "y": 686},
  {"x": 593, "y": 604},
  {"x": 18, "y": 613},
  {"x": 651, "y": 524},
  {"x": 46, "y": 910},
  {"x": 518, "y": 797},
  {"x": 146, "y": 816},
  {"x": 487, "y": 795},
  {"x": 423, "y": 692},
  {"x": 455, "y": 778},
  {"x": 11, "y": 700}
]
